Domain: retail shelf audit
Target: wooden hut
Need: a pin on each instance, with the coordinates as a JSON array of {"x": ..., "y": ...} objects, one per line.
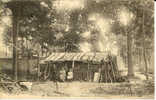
[{"x": 84, "y": 66}]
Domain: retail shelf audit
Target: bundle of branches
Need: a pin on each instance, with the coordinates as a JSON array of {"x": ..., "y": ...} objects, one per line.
[
  {"x": 4, "y": 78},
  {"x": 149, "y": 85},
  {"x": 10, "y": 86},
  {"x": 110, "y": 72}
]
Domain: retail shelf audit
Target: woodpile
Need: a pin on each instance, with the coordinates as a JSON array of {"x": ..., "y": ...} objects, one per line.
[{"x": 109, "y": 71}]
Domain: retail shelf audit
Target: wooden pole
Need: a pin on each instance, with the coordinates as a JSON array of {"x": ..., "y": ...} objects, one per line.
[
  {"x": 45, "y": 71},
  {"x": 110, "y": 77},
  {"x": 112, "y": 67},
  {"x": 106, "y": 73},
  {"x": 56, "y": 78},
  {"x": 49, "y": 70},
  {"x": 88, "y": 72},
  {"x": 116, "y": 66},
  {"x": 73, "y": 64},
  {"x": 101, "y": 75},
  {"x": 27, "y": 59},
  {"x": 38, "y": 65}
]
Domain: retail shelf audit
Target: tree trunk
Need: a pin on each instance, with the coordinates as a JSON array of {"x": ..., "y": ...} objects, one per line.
[
  {"x": 15, "y": 32},
  {"x": 16, "y": 12},
  {"x": 129, "y": 55},
  {"x": 145, "y": 60},
  {"x": 144, "y": 51},
  {"x": 140, "y": 57},
  {"x": 27, "y": 60},
  {"x": 6, "y": 51}
]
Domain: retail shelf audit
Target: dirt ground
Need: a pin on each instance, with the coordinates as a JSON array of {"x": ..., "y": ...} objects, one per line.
[
  {"x": 84, "y": 89},
  {"x": 137, "y": 88}
]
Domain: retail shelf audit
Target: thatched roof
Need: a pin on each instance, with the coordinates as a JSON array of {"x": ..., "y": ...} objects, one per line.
[{"x": 54, "y": 57}]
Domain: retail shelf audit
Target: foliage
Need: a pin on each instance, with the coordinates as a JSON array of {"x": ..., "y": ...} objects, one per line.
[{"x": 45, "y": 26}]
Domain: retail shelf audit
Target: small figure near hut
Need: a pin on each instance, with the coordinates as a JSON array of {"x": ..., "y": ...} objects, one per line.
[
  {"x": 70, "y": 75},
  {"x": 54, "y": 75},
  {"x": 62, "y": 74}
]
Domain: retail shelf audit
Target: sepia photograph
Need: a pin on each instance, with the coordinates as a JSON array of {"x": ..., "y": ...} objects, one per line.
[{"x": 77, "y": 49}]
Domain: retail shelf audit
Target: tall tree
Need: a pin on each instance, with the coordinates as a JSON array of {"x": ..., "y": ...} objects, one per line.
[{"x": 20, "y": 12}]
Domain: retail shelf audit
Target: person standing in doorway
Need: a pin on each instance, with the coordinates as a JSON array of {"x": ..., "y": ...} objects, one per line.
[{"x": 70, "y": 75}]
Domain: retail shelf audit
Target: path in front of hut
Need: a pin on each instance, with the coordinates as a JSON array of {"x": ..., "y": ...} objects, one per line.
[
  {"x": 91, "y": 89},
  {"x": 74, "y": 89},
  {"x": 86, "y": 89},
  {"x": 66, "y": 89},
  {"x": 82, "y": 89}
]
